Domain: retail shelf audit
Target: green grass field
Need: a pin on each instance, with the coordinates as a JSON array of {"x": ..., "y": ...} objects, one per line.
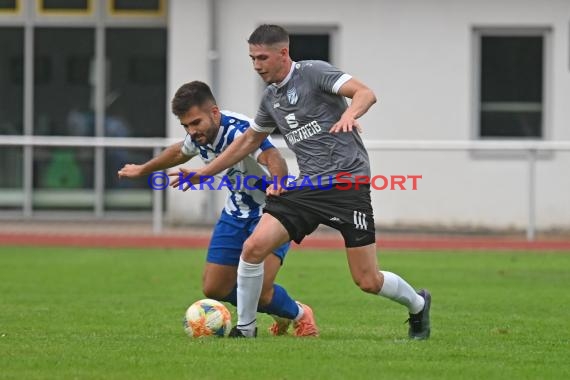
[{"x": 117, "y": 314}]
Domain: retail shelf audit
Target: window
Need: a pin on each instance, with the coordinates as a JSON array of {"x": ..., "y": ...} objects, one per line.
[
  {"x": 11, "y": 81},
  {"x": 138, "y": 7},
  {"x": 136, "y": 91},
  {"x": 152, "y": 5},
  {"x": 511, "y": 84},
  {"x": 8, "y": 6},
  {"x": 310, "y": 46},
  {"x": 63, "y": 177},
  {"x": 61, "y": 88},
  {"x": 58, "y": 6},
  {"x": 68, "y": 96},
  {"x": 11, "y": 116},
  {"x": 135, "y": 106}
]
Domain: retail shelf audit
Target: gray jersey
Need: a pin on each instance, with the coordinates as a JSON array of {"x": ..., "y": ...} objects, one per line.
[{"x": 304, "y": 107}]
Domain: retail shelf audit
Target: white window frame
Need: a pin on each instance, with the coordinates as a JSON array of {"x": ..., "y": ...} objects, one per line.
[{"x": 544, "y": 32}]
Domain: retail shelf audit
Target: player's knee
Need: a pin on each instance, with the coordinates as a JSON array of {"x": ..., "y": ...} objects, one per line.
[
  {"x": 368, "y": 284},
  {"x": 253, "y": 251},
  {"x": 213, "y": 292}
]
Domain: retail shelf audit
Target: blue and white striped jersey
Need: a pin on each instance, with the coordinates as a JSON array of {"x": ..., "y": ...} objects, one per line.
[{"x": 240, "y": 202}]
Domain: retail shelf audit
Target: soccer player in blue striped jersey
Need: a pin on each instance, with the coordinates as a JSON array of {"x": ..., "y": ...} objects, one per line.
[{"x": 209, "y": 132}]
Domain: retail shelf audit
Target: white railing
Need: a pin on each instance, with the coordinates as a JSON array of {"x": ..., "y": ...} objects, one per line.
[{"x": 529, "y": 148}]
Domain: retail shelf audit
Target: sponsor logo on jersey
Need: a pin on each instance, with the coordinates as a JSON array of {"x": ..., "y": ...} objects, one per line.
[
  {"x": 291, "y": 121},
  {"x": 304, "y": 132}
]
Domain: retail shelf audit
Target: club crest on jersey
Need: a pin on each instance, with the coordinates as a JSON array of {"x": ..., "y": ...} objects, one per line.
[{"x": 292, "y": 96}]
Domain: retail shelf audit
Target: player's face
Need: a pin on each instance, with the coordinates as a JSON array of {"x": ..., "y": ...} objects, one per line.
[
  {"x": 202, "y": 123},
  {"x": 270, "y": 61}
]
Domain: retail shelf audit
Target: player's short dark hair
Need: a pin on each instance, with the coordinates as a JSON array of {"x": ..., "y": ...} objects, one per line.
[
  {"x": 267, "y": 34},
  {"x": 191, "y": 94}
]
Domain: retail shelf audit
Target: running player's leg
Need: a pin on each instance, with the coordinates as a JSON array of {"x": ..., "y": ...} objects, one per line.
[
  {"x": 220, "y": 272},
  {"x": 274, "y": 298},
  {"x": 219, "y": 281},
  {"x": 268, "y": 235},
  {"x": 276, "y": 301},
  {"x": 280, "y": 223},
  {"x": 363, "y": 268},
  {"x": 360, "y": 239}
]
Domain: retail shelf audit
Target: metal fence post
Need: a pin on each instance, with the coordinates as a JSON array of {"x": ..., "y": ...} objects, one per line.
[
  {"x": 157, "y": 206},
  {"x": 531, "y": 226}
]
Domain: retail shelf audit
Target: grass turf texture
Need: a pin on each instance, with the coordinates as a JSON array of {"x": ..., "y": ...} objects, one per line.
[{"x": 117, "y": 314}]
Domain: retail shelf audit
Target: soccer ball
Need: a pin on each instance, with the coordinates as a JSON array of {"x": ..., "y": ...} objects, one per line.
[{"x": 207, "y": 318}]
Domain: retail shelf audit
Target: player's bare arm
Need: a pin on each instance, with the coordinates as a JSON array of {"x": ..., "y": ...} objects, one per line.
[
  {"x": 189, "y": 175},
  {"x": 240, "y": 148},
  {"x": 362, "y": 99},
  {"x": 168, "y": 158},
  {"x": 277, "y": 167}
]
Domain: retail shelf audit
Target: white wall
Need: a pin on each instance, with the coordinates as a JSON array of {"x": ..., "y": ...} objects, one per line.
[
  {"x": 417, "y": 55},
  {"x": 187, "y": 60}
]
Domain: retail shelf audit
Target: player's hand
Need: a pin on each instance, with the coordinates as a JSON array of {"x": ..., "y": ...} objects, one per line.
[
  {"x": 346, "y": 124},
  {"x": 188, "y": 175},
  {"x": 130, "y": 171},
  {"x": 274, "y": 190}
]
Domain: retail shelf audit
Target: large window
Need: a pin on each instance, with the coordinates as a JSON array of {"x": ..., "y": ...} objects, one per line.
[
  {"x": 11, "y": 81},
  {"x": 63, "y": 92},
  {"x": 11, "y": 114},
  {"x": 134, "y": 102},
  {"x": 511, "y": 84},
  {"x": 137, "y": 78},
  {"x": 86, "y": 72},
  {"x": 63, "y": 106}
]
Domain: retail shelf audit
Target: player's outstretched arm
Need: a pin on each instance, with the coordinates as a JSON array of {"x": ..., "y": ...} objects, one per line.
[
  {"x": 242, "y": 146},
  {"x": 239, "y": 148},
  {"x": 362, "y": 99},
  {"x": 168, "y": 158},
  {"x": 277, "y": 167}
]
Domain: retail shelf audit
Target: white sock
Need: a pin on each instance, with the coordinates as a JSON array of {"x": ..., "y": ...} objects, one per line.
[
  {"x": 249, "y": 283},
  {"x": 396, "y": 289},
  {"x": 300, "y": 313}
]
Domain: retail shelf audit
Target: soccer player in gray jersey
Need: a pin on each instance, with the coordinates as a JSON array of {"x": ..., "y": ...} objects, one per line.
[{"x": 306, "y": 101}]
